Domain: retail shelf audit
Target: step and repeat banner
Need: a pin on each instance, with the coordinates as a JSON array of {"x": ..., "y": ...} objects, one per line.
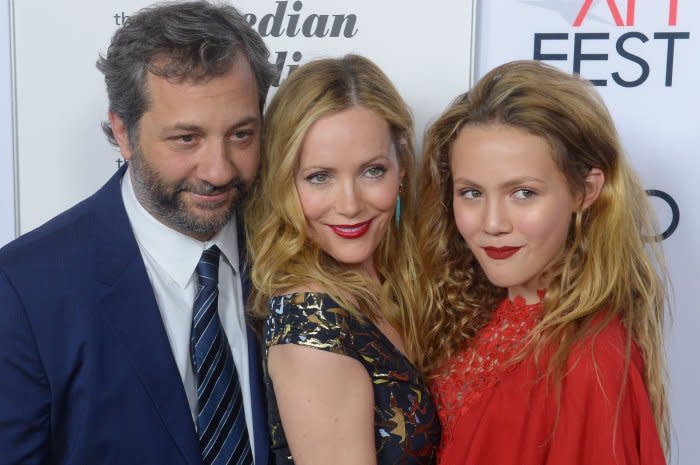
[
  {"x": 63, "y": 155},
  {"x": 642, "y": 55},
  {"x": 7, "y": 193}
]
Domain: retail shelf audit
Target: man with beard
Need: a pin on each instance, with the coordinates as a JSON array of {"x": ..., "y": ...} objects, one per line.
[{"x": 123, "y": 337}]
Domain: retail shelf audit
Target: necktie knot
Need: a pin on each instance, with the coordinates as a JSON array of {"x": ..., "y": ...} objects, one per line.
[{"x": 208, "y": 267}]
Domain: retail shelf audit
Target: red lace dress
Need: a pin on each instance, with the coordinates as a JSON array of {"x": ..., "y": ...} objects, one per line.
[{"x": 498, "y": 413}]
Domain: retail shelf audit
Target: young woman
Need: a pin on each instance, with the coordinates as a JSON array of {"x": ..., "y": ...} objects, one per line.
[
  {"x": 335, "y": 270},
  {"x": 544, "y": 322}
]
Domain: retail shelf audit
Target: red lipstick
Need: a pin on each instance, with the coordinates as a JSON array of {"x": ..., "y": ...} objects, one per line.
[
  {"x": 500, "y": 253},
  {"x": 351, "y": 231}
]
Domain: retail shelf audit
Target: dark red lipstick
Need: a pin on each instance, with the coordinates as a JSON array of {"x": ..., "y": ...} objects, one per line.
[{"x": 500, "y": 253}]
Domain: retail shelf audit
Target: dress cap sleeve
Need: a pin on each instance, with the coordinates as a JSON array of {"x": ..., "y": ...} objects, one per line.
[{"x": 308, "y": 319}]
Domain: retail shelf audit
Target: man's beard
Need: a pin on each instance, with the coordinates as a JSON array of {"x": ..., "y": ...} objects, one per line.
[{"x": 164, "y": 201}]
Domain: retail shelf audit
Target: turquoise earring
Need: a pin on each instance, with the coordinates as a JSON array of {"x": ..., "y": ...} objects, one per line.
[{"x": 397, "y": 213}]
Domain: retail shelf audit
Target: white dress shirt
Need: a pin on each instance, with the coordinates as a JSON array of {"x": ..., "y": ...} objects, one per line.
[{"x": 171, "y": 258}]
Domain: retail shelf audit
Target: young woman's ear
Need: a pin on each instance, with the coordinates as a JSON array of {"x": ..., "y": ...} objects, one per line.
[{"x": 595, "y": 179}]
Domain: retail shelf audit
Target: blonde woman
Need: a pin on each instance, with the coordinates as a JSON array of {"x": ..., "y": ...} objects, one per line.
[
  {"x": 330, "y": 234},
  {"x": 544, "y": 323}
]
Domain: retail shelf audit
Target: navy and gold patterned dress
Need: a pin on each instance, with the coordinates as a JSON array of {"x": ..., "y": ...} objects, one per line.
[{"x": 407, "y": 429}]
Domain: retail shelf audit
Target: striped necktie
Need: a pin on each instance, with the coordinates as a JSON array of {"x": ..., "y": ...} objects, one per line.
[{"x": 223, "y": 435}]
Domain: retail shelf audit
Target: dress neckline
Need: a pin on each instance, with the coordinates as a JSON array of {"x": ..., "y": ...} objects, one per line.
[{"x": 519, "y": 302}]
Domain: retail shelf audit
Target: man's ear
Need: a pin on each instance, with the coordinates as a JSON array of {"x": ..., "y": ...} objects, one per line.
[
  {"x": 595, "y": 180},
  {"x": 120, "y": 135}
]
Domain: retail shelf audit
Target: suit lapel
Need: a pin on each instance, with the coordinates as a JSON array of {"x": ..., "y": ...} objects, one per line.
[
  {"x": 257, "y": 386},
  {"x": 130, "y": 308},
  {"x": 243, "y": 258},
  {"x": 258, "y": 401}
]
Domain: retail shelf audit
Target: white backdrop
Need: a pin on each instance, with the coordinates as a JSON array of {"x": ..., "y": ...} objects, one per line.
[
  {"x": 653, "y": 94},
  {"x": 425, "y": 48},
  {"x": 63, "y": 155},
  {"x": 7, "y": 197}
]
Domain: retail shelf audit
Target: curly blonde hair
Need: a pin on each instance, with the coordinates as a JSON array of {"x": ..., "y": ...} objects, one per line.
[
  {"x": 283, "y": 256},
  {"x": 611, "y": 266}
]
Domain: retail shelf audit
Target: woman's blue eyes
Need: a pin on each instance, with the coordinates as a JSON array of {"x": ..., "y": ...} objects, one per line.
[
  {"x": 375, "y": 171},
  {"x": 523, "y": 194},
  {"x": 318, "y": 178},
  {"x": 519, "y": 194},
  {"x": 322, "y": 177},
  {"x": 470, "y": 194}
]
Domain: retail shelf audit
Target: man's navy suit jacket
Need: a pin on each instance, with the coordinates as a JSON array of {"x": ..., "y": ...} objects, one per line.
[{"x": 87, "y": 375}]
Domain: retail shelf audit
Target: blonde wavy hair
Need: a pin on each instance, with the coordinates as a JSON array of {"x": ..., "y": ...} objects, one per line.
[
  {"x": 611, "y": 266},
  {"x": 283, "y": 256}
]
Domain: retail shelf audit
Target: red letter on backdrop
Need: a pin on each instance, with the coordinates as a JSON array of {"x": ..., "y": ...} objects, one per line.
[
  {"x": 673, "y": 13},
  {"x": 613, "y": 9}
]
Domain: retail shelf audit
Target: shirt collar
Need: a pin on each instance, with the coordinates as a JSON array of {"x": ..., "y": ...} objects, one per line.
[{"x": 176, "y": 253}]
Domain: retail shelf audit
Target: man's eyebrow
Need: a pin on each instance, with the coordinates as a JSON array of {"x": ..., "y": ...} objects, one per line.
[{"x": 191, "y": 127}]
